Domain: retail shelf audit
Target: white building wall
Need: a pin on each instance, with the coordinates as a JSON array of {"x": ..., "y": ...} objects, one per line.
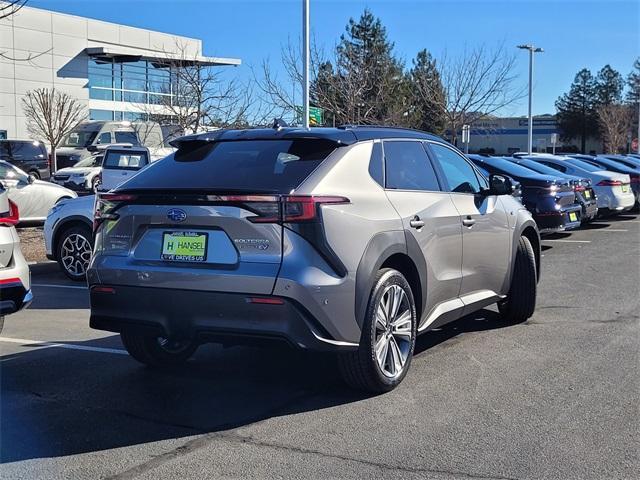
[{"x": 44, "y": 49}]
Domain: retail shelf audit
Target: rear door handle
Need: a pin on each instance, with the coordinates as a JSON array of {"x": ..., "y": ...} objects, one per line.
[
  {"x": 468, "y": 222},
  {"x": 416, "y": 222}
]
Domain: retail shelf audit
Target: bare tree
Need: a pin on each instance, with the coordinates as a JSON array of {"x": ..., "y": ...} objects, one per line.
[
  {"x": 198, "y": 96},
  {"x": 51, "y": 116},
  {"x": 615, "y": 121},
  {"x": 477, "y": 84},
  {"x": 9, "y": 7}
]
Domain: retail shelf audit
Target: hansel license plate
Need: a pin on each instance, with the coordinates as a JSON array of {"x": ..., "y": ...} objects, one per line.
[
  {"x": 625, "y": 188},
  {"x": 573, "y": 216},
  {"x": 587, "y": 194},
  {"x": 184, "y": 246}
]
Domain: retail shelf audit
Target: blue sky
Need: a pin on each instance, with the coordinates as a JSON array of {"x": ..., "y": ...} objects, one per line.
[{"x": 574, "y": 34}]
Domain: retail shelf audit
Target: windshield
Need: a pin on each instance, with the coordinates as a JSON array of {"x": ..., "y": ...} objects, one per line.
[
  {"x": 82, "y": 138},
  {"x": 258, "y": 166},
  {"x": 90, "y": 161}
]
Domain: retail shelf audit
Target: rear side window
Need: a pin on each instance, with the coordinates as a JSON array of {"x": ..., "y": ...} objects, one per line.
[
  {"x": 4, "y": 148},
  {"x": 459, "y": 173},
  {"x": 407, "y": 167},
  {"x": 555, "y": 166},
  {"x": 126, "y": 137},
  {"x": 255, "y": 166},
  {"x": 125, "y": 160},
  {"x": 376, "y": 164},
  {"x": 26, "y": 150}
]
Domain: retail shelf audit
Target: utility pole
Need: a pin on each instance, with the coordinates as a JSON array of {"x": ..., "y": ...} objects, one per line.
[
  {"x": 305, "y": 63},
  {"x": 532, "y": 50}
]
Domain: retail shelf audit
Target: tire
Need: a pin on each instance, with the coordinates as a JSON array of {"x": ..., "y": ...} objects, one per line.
[
  {"x": 73, "y": 251},
  {"x": 157, "y": 351},
  {"x": 35, "y": 174},
  {"x": 521, "y": 300},
  {"x": 95, "y": 183},
  {"x": 361, "y": 368}
]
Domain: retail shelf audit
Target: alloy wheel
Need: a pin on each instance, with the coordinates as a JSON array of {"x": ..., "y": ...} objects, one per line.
[
  {"x": 394, "y": 332},
  {"x": 76, "y": 253}
]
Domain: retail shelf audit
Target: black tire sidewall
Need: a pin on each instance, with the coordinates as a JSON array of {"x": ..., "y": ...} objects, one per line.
[{"x": 386, "y": 278}]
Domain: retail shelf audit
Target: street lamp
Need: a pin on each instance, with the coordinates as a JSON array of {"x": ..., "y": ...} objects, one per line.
[
  {"x": 532, "y": 50},
  {"x": 305, "y": 63}
]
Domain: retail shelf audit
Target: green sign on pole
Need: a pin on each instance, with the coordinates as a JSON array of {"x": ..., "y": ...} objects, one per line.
[{"x": 316, "y": 115}]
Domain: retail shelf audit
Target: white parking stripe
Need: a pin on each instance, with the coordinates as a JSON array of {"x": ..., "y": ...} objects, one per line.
[
  {"x": 610, "y": 230},
  {"x": 566, "y": 241},
  {"x": 69, "y": 346},
  {"x": 52, "y": 285}
]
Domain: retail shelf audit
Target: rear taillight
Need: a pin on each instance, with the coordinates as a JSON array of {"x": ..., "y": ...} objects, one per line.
[
  {"x": 106, "y": 205},
  {"x": 11, "y": 217},
  {"x": 609, "y": 183},
  {"x": 282, "y": 209},
  {"x": 579, "y": 188}
]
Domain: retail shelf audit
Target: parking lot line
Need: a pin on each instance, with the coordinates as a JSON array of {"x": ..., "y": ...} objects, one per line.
[
  {"x": 69, "y": 346},
  {"x": 611, "y": 230},
  {"x": 51, "y": 285},
  {"x": 566, "y": 241}
]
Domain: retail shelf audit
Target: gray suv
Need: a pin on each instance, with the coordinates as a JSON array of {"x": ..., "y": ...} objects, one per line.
[{"x": 352, "y": 240}]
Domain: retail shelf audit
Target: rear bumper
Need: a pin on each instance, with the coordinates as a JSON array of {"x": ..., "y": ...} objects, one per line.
[
  {"x": 208, "y": 316},
  {"x": 558, "y": 221},
  {"x": 14, "y": 297},
  {"x": 589, "y": 211}
]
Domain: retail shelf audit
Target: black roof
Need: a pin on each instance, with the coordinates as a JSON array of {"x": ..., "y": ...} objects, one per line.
[{"x": 346, "y": 135}]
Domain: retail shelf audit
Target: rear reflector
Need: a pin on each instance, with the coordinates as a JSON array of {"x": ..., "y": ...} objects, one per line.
[
  {"x": 266, "y": 300},
  {"x": 10, "y": 281},
  {"x": 99, "y": 289},
  {"x": 11, "y": 217}
]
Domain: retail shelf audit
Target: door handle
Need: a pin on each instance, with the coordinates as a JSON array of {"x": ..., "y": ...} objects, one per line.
[
  {"x": 468, "y": 222},
  {"x": 416, "y": 222}
]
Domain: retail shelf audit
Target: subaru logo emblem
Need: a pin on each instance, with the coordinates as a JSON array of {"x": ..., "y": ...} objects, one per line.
[{"x": 177, "y": 215}]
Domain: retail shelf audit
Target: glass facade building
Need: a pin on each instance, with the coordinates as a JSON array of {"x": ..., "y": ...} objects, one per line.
[{"x": 141, "y": 82}]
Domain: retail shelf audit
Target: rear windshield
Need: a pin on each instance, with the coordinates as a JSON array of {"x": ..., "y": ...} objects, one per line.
[
  {"x": 588, "y": 166},
  {"x": 538, "y": 167},
  {"x": 510, "y": 167},
  {"x": 257, "y": 166}
]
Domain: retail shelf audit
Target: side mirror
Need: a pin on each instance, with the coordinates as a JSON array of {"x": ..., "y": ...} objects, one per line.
[
  {"x": 92, "y": 148},
  {"x": 500, "y": 185}
]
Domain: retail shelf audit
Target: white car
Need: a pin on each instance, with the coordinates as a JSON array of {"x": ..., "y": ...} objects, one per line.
[
  {"x": 15, "y": 283},
  {"x": 68, "y": 230},
  {"x": 613, "y": 190},
  {"x": 84, "y": 176},
  {"x": 34, "y": 198}
]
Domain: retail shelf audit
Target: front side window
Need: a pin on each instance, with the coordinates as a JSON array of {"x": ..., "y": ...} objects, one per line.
[
  {"x": 407, "y": 167},
  {"x": 126, "y": 137},
  {"x": 459, "y": 173},
  {"x": 81, "y": 138},
  {"x": 104, "y": 138}
]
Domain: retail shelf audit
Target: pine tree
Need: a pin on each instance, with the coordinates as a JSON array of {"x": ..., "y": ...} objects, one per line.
[
  {"x": 608, "y": 87},
  {"x": 576, "y": 110},
  {"x": 365, "y": 83},
  {"x": 428, "y": 94},
  {"x": 633, "y": 83}
]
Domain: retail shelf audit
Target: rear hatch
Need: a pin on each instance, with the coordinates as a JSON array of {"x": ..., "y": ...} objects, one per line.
[{"x": 208, "y": 217}]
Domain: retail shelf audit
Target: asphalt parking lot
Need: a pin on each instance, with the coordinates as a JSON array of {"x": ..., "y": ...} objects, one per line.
[{"x": 554, "y": 397}]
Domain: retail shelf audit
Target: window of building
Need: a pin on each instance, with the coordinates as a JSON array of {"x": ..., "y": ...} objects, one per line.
[
  {"x": 95, "y": 114},
  {"x": 459, "y": 173},
  {"x": 407, "y": 167}
]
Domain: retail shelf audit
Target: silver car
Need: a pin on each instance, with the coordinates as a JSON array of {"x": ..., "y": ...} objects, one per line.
[
  {"x": 34, "y": 198},
  {"x": 347, "y": 240}
]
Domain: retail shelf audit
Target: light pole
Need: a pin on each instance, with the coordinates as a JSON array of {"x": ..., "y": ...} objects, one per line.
[
  {"x": 305, "y": 63},
  {"x": 532, "y": 50}
]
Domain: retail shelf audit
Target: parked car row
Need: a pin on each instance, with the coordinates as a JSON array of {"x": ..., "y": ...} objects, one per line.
[
  {"x": 564, "y": 191},
  {"x": 347, "y": 240}
]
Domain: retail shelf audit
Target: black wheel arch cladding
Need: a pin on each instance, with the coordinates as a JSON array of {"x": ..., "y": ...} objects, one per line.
[{"x": 380, "y": 248}]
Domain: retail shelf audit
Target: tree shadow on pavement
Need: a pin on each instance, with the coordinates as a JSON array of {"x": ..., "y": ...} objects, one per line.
[{"x": 57, "y": 401}]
